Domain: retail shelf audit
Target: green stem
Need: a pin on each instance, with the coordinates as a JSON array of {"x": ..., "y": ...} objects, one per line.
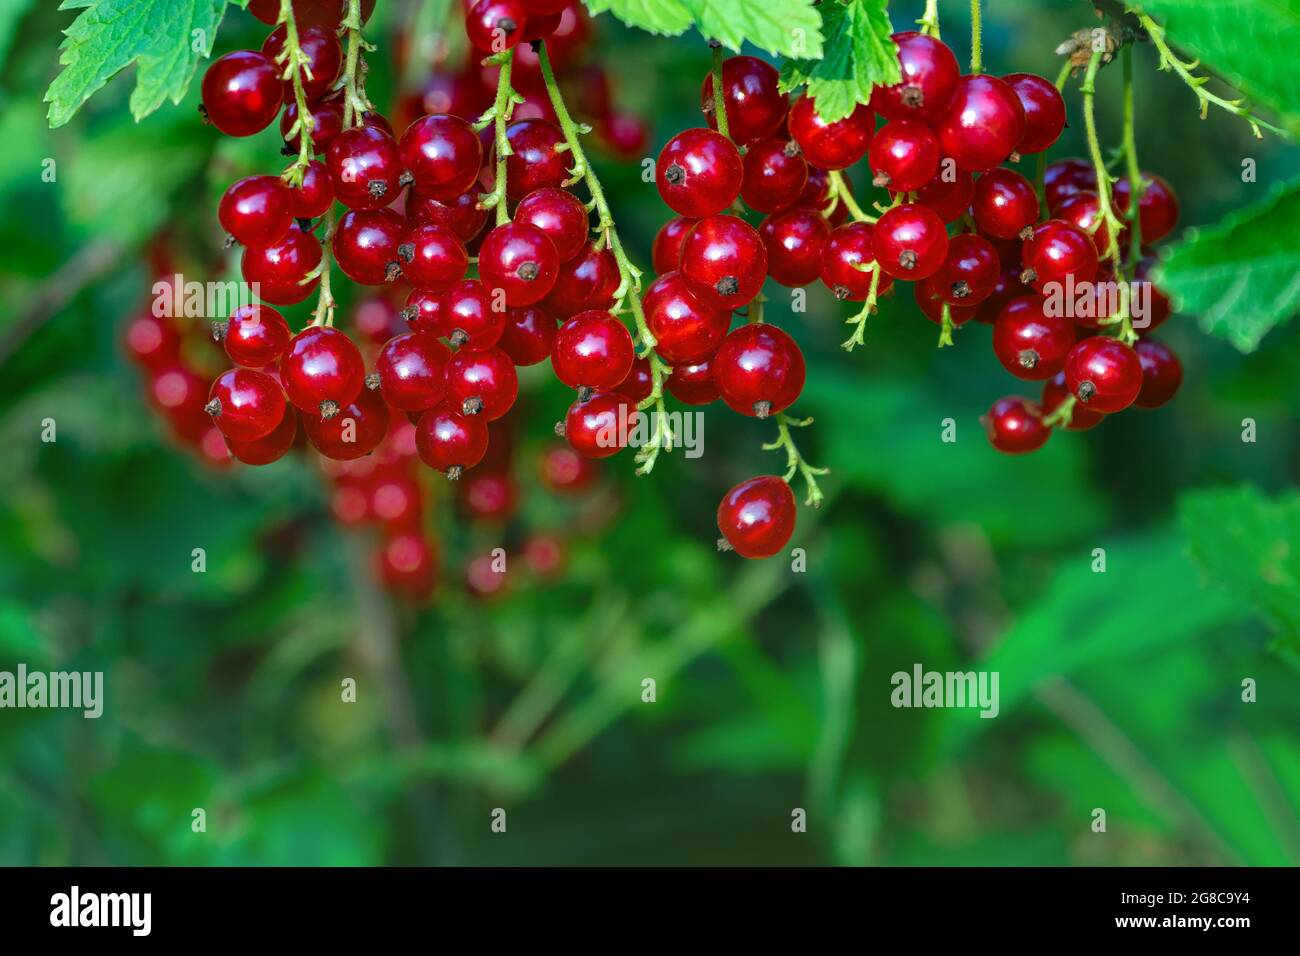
[
  {"x": 1064, "y": 75},
  {"x": 859, "y": 321},
  {"x": 295, "y": 63},
  {"x": 324, "y": 312},
  {"x": 976, "y": 38},
  {"x": 840, "y": 190},
  {"x": 662, "y": 436},
  {"x": 503, "y": 106},
  {"x": 719, "y": 101},
  {"x": 1062, "y": 414},
  {"x": 945, "y": 326},
  {"x": 1136, "y": 184},
  {"x": 929, "y": 22},
  {"x": 795, "y": 462},
  {"x": 355, "y": 103},
  {"x": 1106, "y": 213}
]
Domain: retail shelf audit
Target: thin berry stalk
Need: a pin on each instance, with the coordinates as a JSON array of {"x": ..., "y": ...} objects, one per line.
[
  {"x": 295, "y": 62},
  {"x": 794, "y": 461}
]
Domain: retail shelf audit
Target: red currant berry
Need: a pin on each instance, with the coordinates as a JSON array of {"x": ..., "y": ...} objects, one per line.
[
  {"x": 931, "y": 303},
  {"x": 433, "y": 257},
  {"x": 1065, "y": 177},
  {"x": 831, "y": 145},
  {"x": 757, "y": 517},
  {"x": 969, "y": 272},
  {"x": 444, "y": 155},
  {"x": 1158, "y": 307},
  {"x": 482, "y": 382},
  {"x": 376, "y": 320},
  {"x": 460, "y": 214},
  {"x": 326, "y": 120},
  {"x": 1157, "y": 209},
  {"x": 467, "y": 316},
  {"x": 152, "y": 342},
  {"x": 450, "y": 442},
  {"x": 775, "y": 175},
  {"x": 600, "y": 426},
  {"x": 242, "y": 92},
  {"x": 364, "y": 167},
  {"x": 759, "y": 370},
  {"x": 245, "y": 404},
  {"x": 1055, "y": 392},
  {"x": 322, "y": 372},
  {"x": 310, "y": 13},
  {"x": 949, "y": 193},
  {"x": 983, "y": 124},
  {"x": 316, "y": 194},
  {"x": 1003, "y": 204},
  {"x": 1015, "y": 426},
  {"x": 1030, "y": 342},
  {"x": 270, "y": 447},
  {"x": 693, "y": 384},
  {"x": 910, "y": 241},
  {"x": 848, "y": 263},
  {"x": 1057, "y": 250},
  {"x": 1162, "y": 374},
  {"x": 1104, "y": 374},
  {"x": 560, "y": 215},
  {"x": 699, "y": 173},
  {"x": 592, "y": 350},
  {"x": 794, "y": 240},
  {"x": 425, "y": 312},
  {"x": 520, "y": 260},
  {"x": 625, "y": 135},
  {"x": 487, "y": 495},
  {"x": 537, "y": 161},
  {"x": 324, "y": 59},
  {"x": 687, "y": 331},
  {"x": 279, "y": 273},
  {"x": 366, "y": 245},
  {"x": 256, "y": 210},
  {"x": 639, "y": 383},
  {"x": 1044, "y": 111},
  {"x": 930, "y": 74},
  {"x": 565, "y": 471},
  {"x": 587, "y": 281},
  {"x": 356, "y": 429},
  {"x": 528, "y": 335},
  {"x": 180, "y": 393},
  {"x": 395, "y": 501},
  {"x": 495, "y": 26},
  {"x": 407, "y": 565},
  {"x": 904, "y": 156},
  {"x": 667, "y": 253},
  {"x": 724, "y": 262},
  {"x": 255, "y": 336},
  {"x": 411, "y": 371},
  {"x": 1083, "y": 210},
  {"x": 751, "y": 96}
]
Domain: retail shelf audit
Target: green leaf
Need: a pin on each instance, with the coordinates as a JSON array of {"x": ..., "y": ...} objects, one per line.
[
  {"x": 785, "y": 27},
  {"x": 1247, "y": 544},
  {"x": 1251, "y": 43},
  {"x": 859, "y": 55},
  {"x": 1242, "y": 276},
  {"x": 164, "y": 38}
]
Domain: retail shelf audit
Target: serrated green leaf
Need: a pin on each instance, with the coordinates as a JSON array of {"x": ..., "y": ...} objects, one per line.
[
  {"x": 786, "y": 27},
  {"x": 859, "y": 54},
  {"x": 1250, "y": 43},
  {"x": 1242, "y": 276},
  {"x": 164, "y": 38},
  {"x": 1247, "y": 543}
]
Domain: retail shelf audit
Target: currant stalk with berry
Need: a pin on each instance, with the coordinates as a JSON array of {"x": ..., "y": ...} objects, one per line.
[{"x": 295, "y": 64}]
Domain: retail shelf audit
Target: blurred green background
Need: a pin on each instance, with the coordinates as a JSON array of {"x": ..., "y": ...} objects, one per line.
[{"x": 1120, "y": 690}]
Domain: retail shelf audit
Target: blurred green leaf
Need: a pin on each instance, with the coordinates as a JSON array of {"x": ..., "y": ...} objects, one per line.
[
  {"x": 860, "y": 54},
  {"x": 11, "y": 14},
  {"x": 1241, "y": 276}
]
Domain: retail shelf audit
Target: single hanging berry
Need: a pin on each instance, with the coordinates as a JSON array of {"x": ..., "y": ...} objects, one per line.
[
  {"x": 759, "y": 370},
  {"x": 365, "y": 167},
  {"x": 794, "y": 240},
  {"x": 848, "y": 263},
  {"x": 751, "y": 96},
  {"x": 443, "y": 154},
  {"x": 831, "y": 145},
  {"x": 270, "y": 447},
  {"x": 1104, "y": 374},
  {"x": 316, "y": 194},
  {"x": 666, "y": 256},
  {"x": 1044, "y": 111},
  {"x": 686, "y": 330},
  {"x": 412, "y": 371},
  {"x": 904, "y": 156},
  {"x": 450, "y": 442},
  {"x": 245, "y": 404},
  {"x": 592, "y": 350},
  {"x": 983, "y": 123},
  {"x": 930, "y": 73},
  {"x": 482, "y": 382},
  {"x": 559, "y": 214},
  {"x": 528, "y": 334},
  {"x": 432, "y": 257},
  {"x": 322, "y": 371},
  {"x": 1003, "y": 204},
  {"x": 520, "y": 260},
  {"x": 538, "y": 158},
  {"x": 1162, "y": 374},
  {"x": 1157, "y": 209},
  {"x": 242, "y": 92},
  {"x": 1015, "y": 425},
  {"x": 1055, "y": 392},
  {"x": 324, "y": 59},
  {"x": 1055, "y": 252},
  {"x": 356, "y": 429},
  {"x": 257, "y": 210},
  {"x": 969, "y": 272},
  {"x": 255, "y": 336},
  {"x": 282, "y": 274},
  {"x": 910, "y": 241},
  {"x": 757, "y": 517},
  {"x": 776, "y": 175},
  {"x": 601, "y": 425},
  {"x": 699, "y": 173},
  {"x": 367, "y": 245},
  {"x": 587, "y": 281},
  {"x": 693, "y": 384},
  {"x": 724, "y": 262},
  {"x": 1031, "y": 342},
  {"x": 466, "y": 316}
]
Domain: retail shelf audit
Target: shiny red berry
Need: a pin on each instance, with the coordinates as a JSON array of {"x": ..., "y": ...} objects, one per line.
[
  {"x": 1083, "y": 210},
  {"x": 931, "y": 303},
  {"x": 1044, "y": 111},
  {"x": 443, "y": 154},
  {"x": 1157, "y": 209},
  {"x": 152, "y": 341},
  {"x": 450, "y": 442},
  {"x": 433, "y": 257},
  {"x": 983, "y": 123},
  {"x": 563, "y": 470},
  {"x": 256, "y": 210},
  {"x": 364, "y": 167},
  {"x": 245, "y": 404},
  {"x": 1029, "y": 341},
  {"x": 424, "y": 312},
  {"x": 1015, "y": 425},
  {"x": 592, "y": 350},
  {"x": 1104, "y": 374},
  {"x": 1055, "y": 392},
  {"x": 751, "y": 96},
  {"x": 322, "y": 371},
  {"x": 687, "y": 331},
  {"x": 366, "y": 245},
  {"x": 279, "y": 273},
  {"x": 242, "y": 92},
  {"x": 326, "y": 124},
  {"x": 324, "y": 59},
  {"x": 520, "y": 260},
  {"x": 1057, "y": 250},
  {"x": 930, "y": 74},
  {"x": 356, "y": 429},
  {"x": 587, "y": 281},
  {"x": 757, "y": 517},
  {"x": 255, "y": 336},
  {"x": 411, "y": 371},
  {"x": 949, "y": 193},
  {"x": 469, "y": 315},
  {"x": 1064, "y": 178},
  {"x": 407, "y": 564},
  {"x": 910, "y": 241},
  {"x": 831, "y": 145},
  {"x": 528, "y": 334},
  {"x": 1003, "y": 204},
  {"x": 776, "y": 175},
  {"x": 494, "y": 26},
  {"x": 904, "y": 155},
  {"x": 639, "y": 383},
  {"x": 759, "y": 370},
  {"x": 460, "y": 213},
  {"x": 1157, "y": 307},
  {"x": 482, "y": 382},
  {"x": 559, "y": 214},
  {"x": 693, "y": 384},
  {"x": 699, "y": 173},
  {"x": 848, "y": 262},
  {"x": 1162, "y": 374},
  {"x": 316, "y": 194},
  {"x": 666, "y": 255},
  {"x": 600, "y": 426},
  {"x": 270, "y": 447},
  {"x": 724, "y": 262},
  {"x": 537, "y": 161},
  {"x": 969, "y": 272},
  {"x": 794, "y": 240}
]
